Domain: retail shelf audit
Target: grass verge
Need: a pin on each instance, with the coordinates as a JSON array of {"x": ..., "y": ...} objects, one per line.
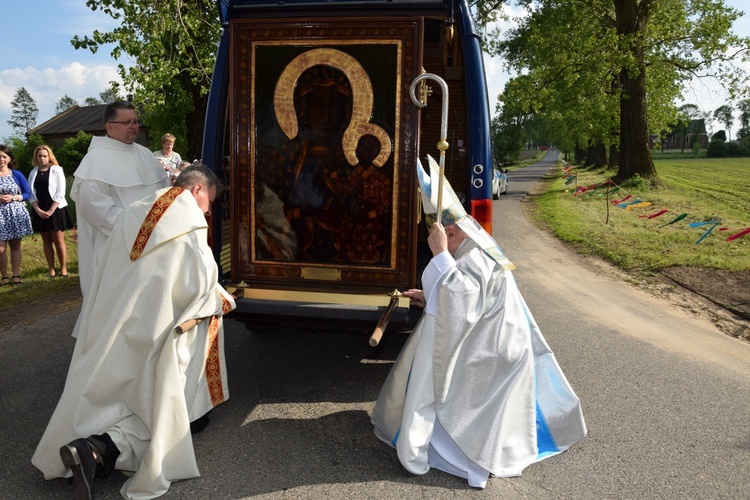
[
  {"x": 34, "y": 271},
  {"x": 704, "y": 189}
]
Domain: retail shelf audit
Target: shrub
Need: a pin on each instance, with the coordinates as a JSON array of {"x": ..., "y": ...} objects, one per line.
[
  {"x": 717, "y": 149},
  {"x": 738, "y": 149},
  {"x": 72, "y": 152}
]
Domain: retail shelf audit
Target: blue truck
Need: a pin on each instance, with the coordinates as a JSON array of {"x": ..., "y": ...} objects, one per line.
[{"x": 311, "y": 125}]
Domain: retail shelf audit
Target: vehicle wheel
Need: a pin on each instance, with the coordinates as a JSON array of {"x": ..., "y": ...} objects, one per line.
[
  {"x": 495, "y": 196},
  {"x": 504, "y": 192}
]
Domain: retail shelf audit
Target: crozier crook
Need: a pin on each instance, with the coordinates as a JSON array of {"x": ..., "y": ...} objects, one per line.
[{"x": 442, "y": 144}]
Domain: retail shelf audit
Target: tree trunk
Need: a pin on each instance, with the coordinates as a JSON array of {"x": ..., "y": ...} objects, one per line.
[
  {"x": 635, "y": 156},
  {"x": 195, "y": 120},
  {"x": 613, "y": 156},
  {"x": 597, "y": 154},
  {"x": 579, "y": 155}
]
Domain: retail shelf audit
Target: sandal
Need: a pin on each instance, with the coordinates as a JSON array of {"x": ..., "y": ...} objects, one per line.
[
  {"x": 5, "y": 281},
  {"x": 17, "y": 280}
]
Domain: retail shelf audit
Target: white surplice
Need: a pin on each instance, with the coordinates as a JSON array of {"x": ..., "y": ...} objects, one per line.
[
  {"x": 131, "y": 375},
  {"x": 111, "y": 176},
  {"x": 476, "y": 390}
]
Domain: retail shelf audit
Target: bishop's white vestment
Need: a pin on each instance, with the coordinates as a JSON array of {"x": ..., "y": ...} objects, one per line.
[
  {"x": 476, "y": 390},
  {"x": 110, "y": 177},
  {"x": 131, "y": 375}
]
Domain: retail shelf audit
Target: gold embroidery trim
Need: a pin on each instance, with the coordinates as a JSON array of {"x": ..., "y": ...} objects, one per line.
[
  {"x": 152, "y": 218},
  {"x": 226, "y": 306},
  {"x": 213, "y": 364}
]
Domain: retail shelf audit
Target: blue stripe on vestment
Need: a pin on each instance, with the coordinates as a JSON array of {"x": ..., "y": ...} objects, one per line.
[
  {"x": 545, "y": 443},
  {"x": 408, "y": 378}
]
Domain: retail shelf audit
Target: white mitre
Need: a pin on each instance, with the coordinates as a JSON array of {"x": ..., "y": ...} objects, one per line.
[{"x": 454, "y": 213}]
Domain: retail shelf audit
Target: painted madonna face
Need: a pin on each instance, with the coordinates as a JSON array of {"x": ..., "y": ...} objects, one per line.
[{"x": 323, "y": 99}]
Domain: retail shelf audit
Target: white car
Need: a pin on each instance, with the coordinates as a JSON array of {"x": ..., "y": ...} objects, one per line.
[{"x": 499, "y": 182}]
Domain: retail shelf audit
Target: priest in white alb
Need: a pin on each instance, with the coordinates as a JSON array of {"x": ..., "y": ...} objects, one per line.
[
  {"x": 476, "y": 390},
  {"x": 115, "y": 172},
  {"x": 135, "y": 383}
]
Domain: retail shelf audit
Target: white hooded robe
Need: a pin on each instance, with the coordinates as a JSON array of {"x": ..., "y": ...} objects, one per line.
[{"x": 110, "y": 177}]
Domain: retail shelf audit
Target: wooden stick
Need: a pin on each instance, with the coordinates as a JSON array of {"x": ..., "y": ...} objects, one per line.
[
  {"x": 383, "y": 323},
  {"x": 188, "y": 325}
]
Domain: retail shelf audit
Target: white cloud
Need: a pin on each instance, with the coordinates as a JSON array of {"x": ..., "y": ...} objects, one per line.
[{"x": 48, "y": 85}]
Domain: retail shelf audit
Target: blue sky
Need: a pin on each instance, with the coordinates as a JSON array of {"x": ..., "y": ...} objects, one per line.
[{"x": 37, "y": 54}]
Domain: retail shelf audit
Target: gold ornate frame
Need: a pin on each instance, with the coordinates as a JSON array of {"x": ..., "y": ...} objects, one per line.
[{"x": 352, "y": 47}]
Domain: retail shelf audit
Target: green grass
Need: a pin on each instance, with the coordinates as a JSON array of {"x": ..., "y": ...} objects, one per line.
[
  {"x": 703, "y": 188},
  {"x": 677, "y": 153},
  {"x": 34, "y": 272}
]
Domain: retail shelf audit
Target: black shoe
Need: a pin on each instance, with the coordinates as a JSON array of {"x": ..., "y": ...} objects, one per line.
[
  {"x": 79, "y": 458},
  {"x": 199, "y": 424},
  {"x": 106, "y": 454}
]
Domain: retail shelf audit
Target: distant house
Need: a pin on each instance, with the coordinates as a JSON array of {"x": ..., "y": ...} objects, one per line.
[
  {"x": 89, "y": 119},
  {"x": 696, "y": 130}
]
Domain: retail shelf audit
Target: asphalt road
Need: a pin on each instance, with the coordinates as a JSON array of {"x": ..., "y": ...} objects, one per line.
[{"x": 664, "y": 393}]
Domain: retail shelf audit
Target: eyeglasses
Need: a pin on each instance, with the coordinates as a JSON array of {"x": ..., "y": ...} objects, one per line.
[{"x": 130, "y": 123}]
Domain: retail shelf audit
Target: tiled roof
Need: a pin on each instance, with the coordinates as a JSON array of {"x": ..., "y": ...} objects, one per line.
[{"x": 90, "y": 119}]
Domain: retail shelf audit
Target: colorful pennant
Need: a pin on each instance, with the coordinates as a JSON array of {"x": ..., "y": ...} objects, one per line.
[
  {"x": 634, "y": 202},
  {"x": 708, "y": 231},
  {"x": 653, "y": 216},
  {"x": 617, "y": 202},
  {"x": 676, "y": 219},
  {"x": 740, "y": 234},
  {"x": 638, "y": 205}
]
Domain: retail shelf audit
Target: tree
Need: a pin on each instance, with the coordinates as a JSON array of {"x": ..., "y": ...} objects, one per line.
[
  {"x": 91, "y": 101},
  {"x": 584, "y": 55},
  {"x": 23, "y": 151},
  {"x": 718, "y": 147},
  {"x": 581, "y": 101},
  {"x": 110, "y": 95},
  {"x": 24, "y": 111},
  {"x": 64, "y": 103},
  {"x": 173, "y": 44},
  {"x": 723, "y": 114},
  {"x": 744, "y": 108}
]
